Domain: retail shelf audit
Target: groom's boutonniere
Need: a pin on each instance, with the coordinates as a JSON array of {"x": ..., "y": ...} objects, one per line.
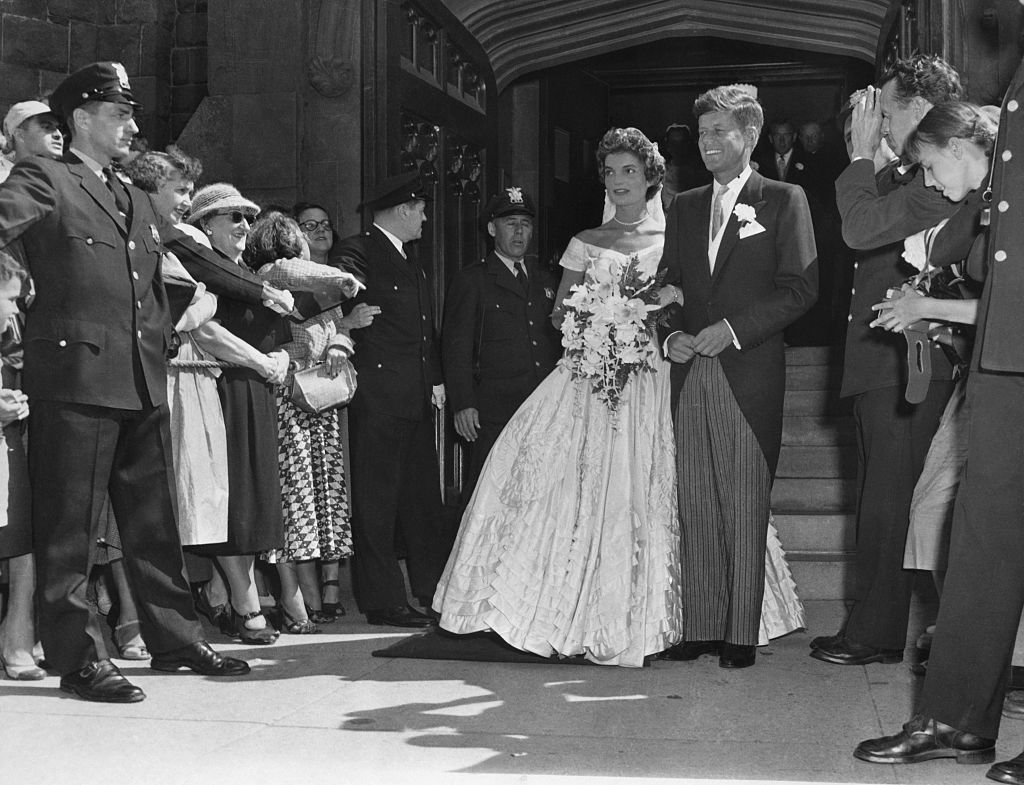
[{"x": 748, "y": 220}]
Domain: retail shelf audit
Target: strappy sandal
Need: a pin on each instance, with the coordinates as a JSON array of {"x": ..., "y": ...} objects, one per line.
[
  {"x": 319, "y": 616},
  {"x": 129, "y": 643},
  {"x": 297, "y": 627},
  {"x": 236, "y": 629},
  {"x": 22, "y": 672},
  {"x": 335, "y": 609}
]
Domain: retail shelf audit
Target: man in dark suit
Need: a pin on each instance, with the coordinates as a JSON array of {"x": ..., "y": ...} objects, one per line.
[
  {"x": 95, "y": 341},
  {"x": 785, "y": 161},
  {"x": 498, "y": 342},
  {"x": 969, "y": 664},
  {"x": 395, "y": 476},
  {"x": 893, "y": 436},
  {"x": 742, "y": 249}
]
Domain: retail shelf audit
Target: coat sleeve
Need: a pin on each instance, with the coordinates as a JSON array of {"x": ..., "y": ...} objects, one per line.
[
  {"x": 872, "y": 219},
  {"x": 458, "y": 339},
  {"x": 670, "y": 267},
  {"x": 796, "y": 276},
  {"x": 26, "y": 197},
  {"x": 221, "y": 276}
]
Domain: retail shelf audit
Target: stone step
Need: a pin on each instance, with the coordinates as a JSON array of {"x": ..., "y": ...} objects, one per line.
[
  {"x": 819, "y": 403},
  {"x": 816, "y": 533},
  {"x": 817, "y": 460},
  {"x": 827, "y": 496},
  {"x": 813, "y": 355},
  {"x": 813, "y": 377},
  {"x": 822, "y": 580},
  {"x": 806, "y": 429}
]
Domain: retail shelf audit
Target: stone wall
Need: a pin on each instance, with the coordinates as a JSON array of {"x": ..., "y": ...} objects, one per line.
[
  {"x": 41, "y": 41},
  {"x": 282, "y": 120}
]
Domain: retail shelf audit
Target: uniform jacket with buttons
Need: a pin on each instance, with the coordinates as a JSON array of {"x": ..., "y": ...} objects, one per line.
[
  {"x": 998, "y": 346},
  {"x": 878, "y": 212},
  {"x": 99, "y": 325},
  {"x": 396, "y": 357},
  {"x": 761, "y": 283},
  {"x": 497, "y": 342}
]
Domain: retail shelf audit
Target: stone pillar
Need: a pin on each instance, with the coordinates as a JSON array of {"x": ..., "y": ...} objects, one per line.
[{"x": 282, "y": 117}]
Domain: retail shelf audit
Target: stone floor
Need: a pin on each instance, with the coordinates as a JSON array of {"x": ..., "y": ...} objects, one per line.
[{"x": 320, "y": 709}]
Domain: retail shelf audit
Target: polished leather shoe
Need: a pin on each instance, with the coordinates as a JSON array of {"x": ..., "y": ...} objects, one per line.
[
  {"x": 826, "y": 641},
  {"x": 397, "y": 617},
  {"x": 1013, "y": 705},
  {"x": 427, "y": 613},
  {"x": 733, "y": 655},
  {"x": 846, "y": 652},
  {"x": 691, "y": 650},
  {"x": 924, "y": 739},
  {"x": 201, "y": 658},
  {"x": 102, "y": 682},
  {"x": 1011, "y": 771}
]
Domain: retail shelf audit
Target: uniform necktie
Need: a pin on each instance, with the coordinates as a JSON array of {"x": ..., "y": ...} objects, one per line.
[
  {"x": 117, "y": 189},
  {"x": 717, "y": 218},
  {"x": 524, "y": 282}
]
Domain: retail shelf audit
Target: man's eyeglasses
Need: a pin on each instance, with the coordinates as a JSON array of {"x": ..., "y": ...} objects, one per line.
[
  {"x": 312, "y": 226},
  {"x": 235, "y": 216}
]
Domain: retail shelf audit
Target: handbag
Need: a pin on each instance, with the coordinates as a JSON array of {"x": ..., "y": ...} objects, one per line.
[{"x": 314, "y": 390}]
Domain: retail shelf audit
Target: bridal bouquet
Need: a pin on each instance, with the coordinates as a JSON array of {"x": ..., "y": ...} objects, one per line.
[{"x": 608, "y": 330}]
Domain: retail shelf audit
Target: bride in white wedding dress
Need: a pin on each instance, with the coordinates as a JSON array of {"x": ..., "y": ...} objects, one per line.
[{"x": 570, "y": 543}]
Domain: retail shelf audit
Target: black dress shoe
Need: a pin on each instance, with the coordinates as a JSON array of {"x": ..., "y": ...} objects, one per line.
[
  {"x": 826, "y": 641},
  {"x": 1011, "y": 771},
  {"x": 427, "y": 613},
  {"x": 201, "y": 658},
  {"x": 924, "y": 739},
  {"x": 846, "y": 652},
  {"x": 691, "y": 650},
  {"x": 397, "y": 617},
  {"x": 101, "y": 681},
  {"x": 733, "y": 655}
]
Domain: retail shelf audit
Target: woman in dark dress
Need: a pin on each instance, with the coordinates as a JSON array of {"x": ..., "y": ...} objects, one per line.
[{"x": 250, "y": 419}]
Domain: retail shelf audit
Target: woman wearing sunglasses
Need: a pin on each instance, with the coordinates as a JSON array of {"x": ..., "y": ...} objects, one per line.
[{"x": 250, "y": 418}]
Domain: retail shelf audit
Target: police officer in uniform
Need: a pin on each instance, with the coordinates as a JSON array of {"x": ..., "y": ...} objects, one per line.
[
  {"x": 498, "y": 342},
  {"x": 95, "y": 373},
  {"x": 395, "y": 477}
]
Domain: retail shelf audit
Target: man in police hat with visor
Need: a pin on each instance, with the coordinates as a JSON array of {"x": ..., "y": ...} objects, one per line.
[
  {"x": 498, "y": 342},
  {"x": 395, "y": 475},
  {"x": 95, "y": 374}
]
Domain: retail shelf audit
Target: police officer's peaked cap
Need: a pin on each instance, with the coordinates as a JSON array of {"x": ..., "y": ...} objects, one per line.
[
  {"x": 94, "y": 82},
  {"x": 509, "y": 201},
  {"x": 395, "y": 190}
]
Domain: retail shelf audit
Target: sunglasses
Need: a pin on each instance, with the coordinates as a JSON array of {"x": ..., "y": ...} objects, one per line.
[
  {"x": 312, "y": 226},
  {"x": 235, "y": 216}
]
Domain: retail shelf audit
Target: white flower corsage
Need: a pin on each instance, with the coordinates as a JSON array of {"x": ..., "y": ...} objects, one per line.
[
  {"x": 748, "y": 220},
  {"x": 799, "y": 166}
]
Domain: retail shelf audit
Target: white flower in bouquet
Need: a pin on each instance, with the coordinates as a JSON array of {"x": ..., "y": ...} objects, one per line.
[{"x": 607, "y": 330}]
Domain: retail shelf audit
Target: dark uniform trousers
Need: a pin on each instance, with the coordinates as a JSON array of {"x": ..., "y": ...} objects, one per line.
[{"x": 129, "y": 455}]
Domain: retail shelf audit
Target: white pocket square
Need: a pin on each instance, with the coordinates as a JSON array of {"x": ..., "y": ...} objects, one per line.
[{"x": 750, "y": 229}]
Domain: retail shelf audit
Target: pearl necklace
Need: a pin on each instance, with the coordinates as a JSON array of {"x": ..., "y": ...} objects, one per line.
[{"x": 640, "y": 220}]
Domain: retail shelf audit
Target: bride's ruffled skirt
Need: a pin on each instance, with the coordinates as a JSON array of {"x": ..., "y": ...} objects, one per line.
[{"x": 570, "y": 544}]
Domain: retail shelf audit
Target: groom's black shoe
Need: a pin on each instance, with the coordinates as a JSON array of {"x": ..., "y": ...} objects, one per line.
[
  {"x": 846, "y": 652},
  {"x": 826, "y": 640},
  {"x": 1011, "y": 771},
  {"x": 690, "y": 650},
  {"x": 733, "y": 655}
]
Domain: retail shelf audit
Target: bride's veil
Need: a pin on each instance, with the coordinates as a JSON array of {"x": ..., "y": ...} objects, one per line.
[{"x": 655, "y": 209}]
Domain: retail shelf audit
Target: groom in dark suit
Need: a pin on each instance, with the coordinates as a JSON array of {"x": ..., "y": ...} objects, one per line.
[{"x": 742, "y": 249}]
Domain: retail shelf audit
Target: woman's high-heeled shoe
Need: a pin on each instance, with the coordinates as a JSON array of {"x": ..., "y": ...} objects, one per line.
[
  {"x": 215, "y": 613},
  {"x": 297, "y": 627},
  {"x": 22, "y": 672},
  {"x": 318, "y": 616},
  {"x": 335, "y": 609},
  {"x": 234, "y": 625}
]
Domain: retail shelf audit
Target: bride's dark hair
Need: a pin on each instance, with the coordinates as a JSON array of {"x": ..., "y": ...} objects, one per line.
[{"x": 631, "y": 140}]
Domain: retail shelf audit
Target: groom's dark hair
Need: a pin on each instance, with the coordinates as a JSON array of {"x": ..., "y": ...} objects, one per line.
[{"x": 735, "y": 100}]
